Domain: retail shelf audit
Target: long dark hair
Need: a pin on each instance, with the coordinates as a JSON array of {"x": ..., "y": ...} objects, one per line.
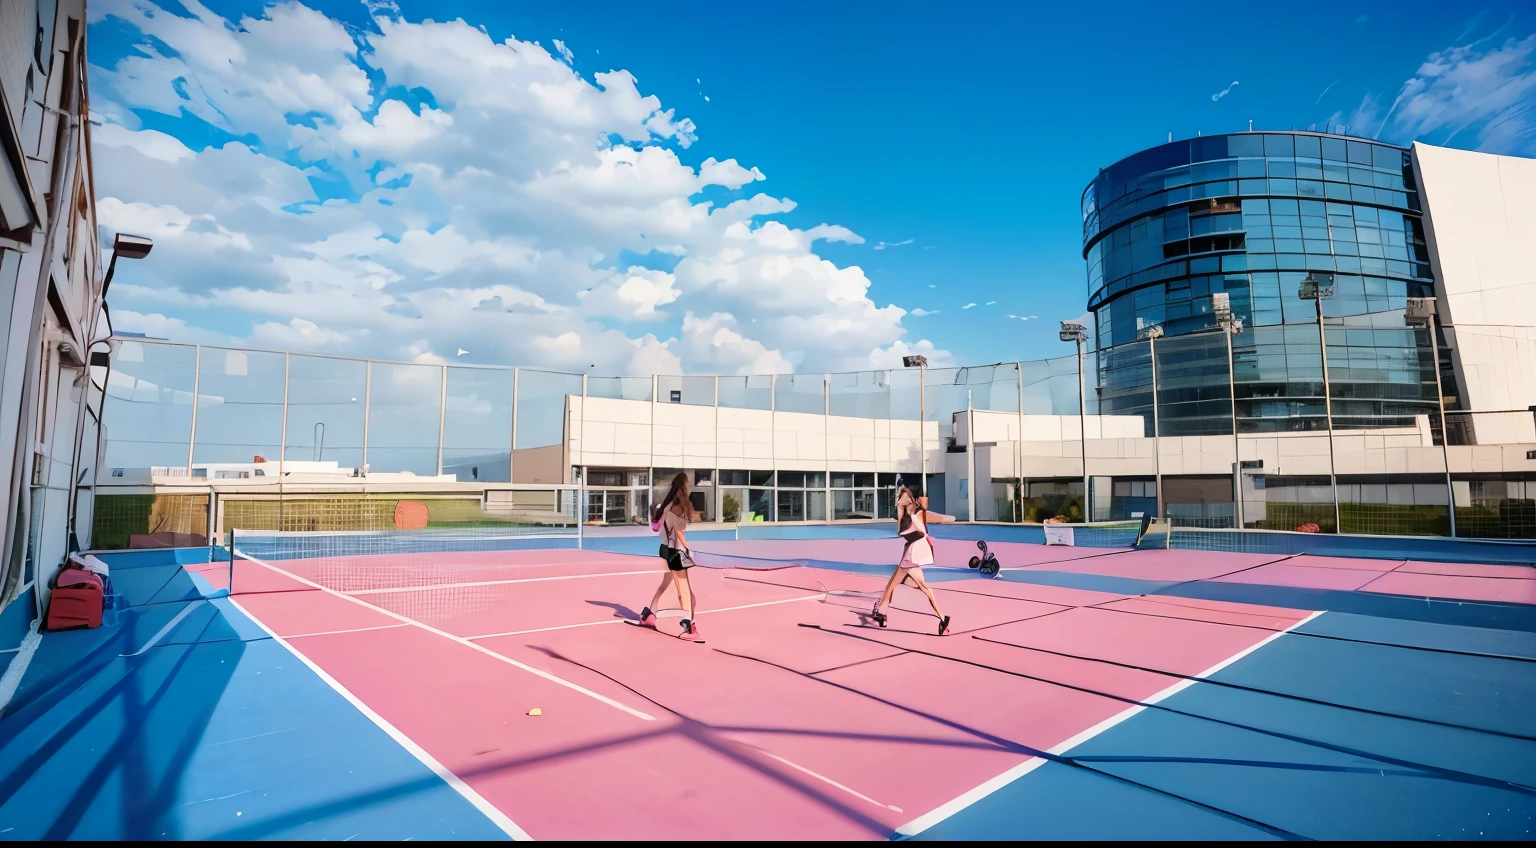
[
  {"x": 917, "y": 505},
  {"x": 673, "y": 495}
]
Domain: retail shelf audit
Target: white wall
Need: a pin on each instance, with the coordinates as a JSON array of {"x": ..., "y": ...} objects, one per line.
[
  {"x": 617, "y": 433},
  {"x": 1481, "y": 227},
  {"x": 606, "y": 432}
]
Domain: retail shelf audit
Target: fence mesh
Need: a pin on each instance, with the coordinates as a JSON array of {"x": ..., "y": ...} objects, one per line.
[{"x": 183, "y": 418}]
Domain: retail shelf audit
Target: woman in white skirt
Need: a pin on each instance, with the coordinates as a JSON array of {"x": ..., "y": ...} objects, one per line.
[{"x": 912, "y": 520}]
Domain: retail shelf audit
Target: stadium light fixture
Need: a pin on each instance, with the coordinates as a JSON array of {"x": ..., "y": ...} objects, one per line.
[
  {"x": 1318, "y": 287},
  {"x": 1072, "y": 331},
  {"x": 125, "y": 246},
  {"x": 1421, "y": 312}
]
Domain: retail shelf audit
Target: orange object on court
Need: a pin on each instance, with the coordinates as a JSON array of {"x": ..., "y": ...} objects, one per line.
[{"x": 411, "y": 515}]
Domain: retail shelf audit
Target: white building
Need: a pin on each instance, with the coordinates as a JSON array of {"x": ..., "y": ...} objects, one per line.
[{"x": 1480, "y": 214}]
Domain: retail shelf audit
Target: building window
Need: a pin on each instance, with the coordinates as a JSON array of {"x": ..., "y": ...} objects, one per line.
[
  {"x": 746, "y": 496},
  {"x": 853, "y": 495},
  {"x": 802, "y": 496}
]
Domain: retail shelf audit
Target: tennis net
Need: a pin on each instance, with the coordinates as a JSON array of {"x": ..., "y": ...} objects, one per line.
[
  {"x": 360, "y": 561},
  {"x": 1134, "y": 533},
  {"x": 1160, "y": 534}
]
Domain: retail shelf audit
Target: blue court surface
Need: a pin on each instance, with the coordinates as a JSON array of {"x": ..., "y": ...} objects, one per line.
[{"x": 1255, "y": 700}]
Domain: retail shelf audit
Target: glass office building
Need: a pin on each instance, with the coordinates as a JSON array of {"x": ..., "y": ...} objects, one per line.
[{"x": 1252, "y": 214}]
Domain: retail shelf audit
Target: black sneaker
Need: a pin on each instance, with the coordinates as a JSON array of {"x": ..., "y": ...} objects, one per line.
[{"x": 943, "y": 625}]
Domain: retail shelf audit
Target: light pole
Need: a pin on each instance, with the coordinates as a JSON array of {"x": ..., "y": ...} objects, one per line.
[
  {"x": 1071, "y": 331},
  {"x": 921, "y": 364},
  {"x": 124, "y": 246},
  {"x": 1317, "y": 288},
  {"x": 970, "y": 458},
  {"x": 1231, "y": 325},
  {"x": 1154, "y": 333},
  {"x": 1421, "y": 312}
]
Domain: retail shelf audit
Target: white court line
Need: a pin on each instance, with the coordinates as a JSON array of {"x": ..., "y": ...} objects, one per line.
[
  {"x": 488, "y": 809},
  {"x": 622, "y": 620},
  {"x": 353, "y": 630},
  {"x": 433, "y": 586},
  {"x": 169, "y": 626},
  {"x": 827, "y": 780},
  {"x": 11, "y": 680},
  {"x": 923, "y": 822},
  {"x": 462, "y": 641}
]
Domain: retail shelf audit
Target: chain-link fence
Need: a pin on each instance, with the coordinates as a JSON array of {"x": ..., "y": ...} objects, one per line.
[{"x": 195, "y": 437}]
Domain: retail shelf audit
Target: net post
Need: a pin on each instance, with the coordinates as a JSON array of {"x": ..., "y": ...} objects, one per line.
[
  {"x": 231, "y": 562},
  {"x": 581, "y": 510}
]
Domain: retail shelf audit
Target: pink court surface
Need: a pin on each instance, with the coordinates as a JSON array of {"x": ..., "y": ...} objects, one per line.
[{"x": 797, "y": 718}]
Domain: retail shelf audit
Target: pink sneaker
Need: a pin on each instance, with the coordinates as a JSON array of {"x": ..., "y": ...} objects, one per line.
[
  {"x": 690, "y": 632},
  {"x": 648, "y": 618}
]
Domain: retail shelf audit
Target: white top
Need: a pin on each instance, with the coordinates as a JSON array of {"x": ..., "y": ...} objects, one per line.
[
  {"x": 671, "y": 525},
  {"x": 921, "y": 551}
]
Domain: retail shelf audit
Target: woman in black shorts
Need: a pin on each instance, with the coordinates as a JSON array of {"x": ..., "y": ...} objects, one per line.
[{"x": 674, "y": 513}]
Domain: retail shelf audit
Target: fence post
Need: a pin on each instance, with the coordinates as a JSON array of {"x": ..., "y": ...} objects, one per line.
[
  {"x": 773, "y": 454},
  {"x": 826, "y": 447},
  {"x": 197, "y": 376},
  {"x": 715, "y": 493},
  {"x": 282, "y": 447},
  {"x": 650, "y": 470},
  {"x": 367, "y": 412},
  {"x": 512, "y": 451},
  {"x": 442, "y": 416},
  {"x": 1018, "y": 450}
]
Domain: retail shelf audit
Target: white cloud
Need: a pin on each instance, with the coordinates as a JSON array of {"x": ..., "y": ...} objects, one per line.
[
  {"x": 160, "y": 326},
  {"x": 1223, "y": 93},
  {"x": 151, "y": 143},
  {"x": 719, "y": 335},
  {"x": 882, "y": 245},
  {"x": 635, "y": 294},
  {"x": 507, "y": 204},
  {"x": 991, "y": 303},
  {"x": 969, "y": 306},
  {"x": 299, "y": 334},
  {"x": 920, "y": 312},
  {"x": 1477, "y": 95}
]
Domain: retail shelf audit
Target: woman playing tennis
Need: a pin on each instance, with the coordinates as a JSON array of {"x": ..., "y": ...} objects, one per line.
[
  {"x": 913, "y": 517},
  {"x": 673, "y": 514}
]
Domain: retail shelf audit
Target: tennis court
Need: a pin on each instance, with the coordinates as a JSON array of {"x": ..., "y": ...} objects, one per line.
[{"x": 1094, "y": 691}]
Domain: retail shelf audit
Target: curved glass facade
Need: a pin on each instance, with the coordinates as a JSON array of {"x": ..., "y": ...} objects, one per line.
[{"x": 1251, "y": 214}]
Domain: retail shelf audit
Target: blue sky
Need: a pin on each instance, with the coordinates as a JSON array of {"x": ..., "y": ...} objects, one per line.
[{"x": 958, "y": 135}]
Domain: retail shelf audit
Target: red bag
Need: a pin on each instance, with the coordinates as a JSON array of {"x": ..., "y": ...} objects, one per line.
[{"x": 77, "y": 599}]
